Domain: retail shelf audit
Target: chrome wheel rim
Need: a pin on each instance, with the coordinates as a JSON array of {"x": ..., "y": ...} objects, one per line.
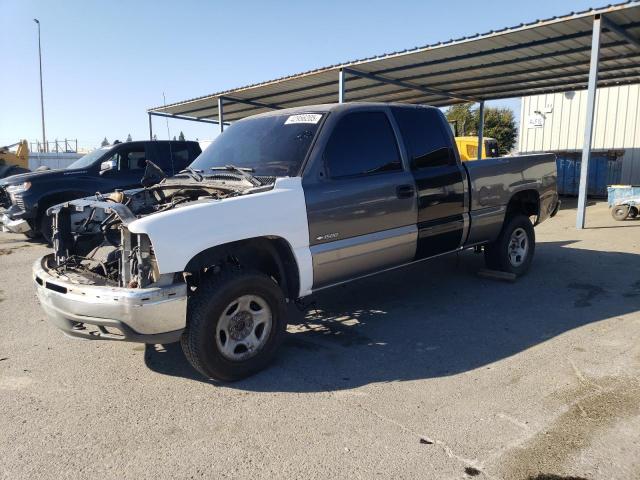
[
  {"x": 244, "y": 327},
  {"x": 518, "y": 247}
]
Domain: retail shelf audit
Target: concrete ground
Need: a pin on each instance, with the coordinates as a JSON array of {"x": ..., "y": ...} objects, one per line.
[{"x": 431, "y": 372}]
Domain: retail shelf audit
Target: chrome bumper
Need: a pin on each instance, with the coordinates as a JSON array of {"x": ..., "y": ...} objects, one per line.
[
  {"x": 145, "y": 315},
  {"x": 14, "y": 226}
]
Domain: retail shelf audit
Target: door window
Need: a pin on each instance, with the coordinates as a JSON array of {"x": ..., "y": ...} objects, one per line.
[
  {"x": 131, "y": 159},
  {"x": 422, "y": 133},
  {"x": 362, "y": 143}
]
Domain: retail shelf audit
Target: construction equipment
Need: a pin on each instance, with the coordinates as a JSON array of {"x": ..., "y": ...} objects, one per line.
[
  {"x": 468, "y": 148},
  {"x": 13, "y": 163}
]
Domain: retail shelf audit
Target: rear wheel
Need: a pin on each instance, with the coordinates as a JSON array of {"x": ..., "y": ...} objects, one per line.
[
  {"x": 513, "y": 250},
  {"x": 236, "y": 321},
  {"x": 620, "y": 212}
]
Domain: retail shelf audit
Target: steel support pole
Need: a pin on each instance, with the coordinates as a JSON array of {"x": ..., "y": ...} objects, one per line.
[
  {"x": 588, "y": 124},
  {"x": 221, "y": 114},
  {"x": 150, "y": 128},
  {"x": 44, "y": 137},
  {"x": 481, "y": 130},
  {"x": 341, "y": 86}
]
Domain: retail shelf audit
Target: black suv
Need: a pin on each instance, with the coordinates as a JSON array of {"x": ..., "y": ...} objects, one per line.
[{"x": 120, "y": 166}]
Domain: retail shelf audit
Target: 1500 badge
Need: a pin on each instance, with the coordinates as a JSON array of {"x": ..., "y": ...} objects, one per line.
[{"x": 328, "y": 236}]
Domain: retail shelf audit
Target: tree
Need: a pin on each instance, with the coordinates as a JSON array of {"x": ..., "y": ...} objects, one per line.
[
  {"x": 464, "y": 119},
  {"x": 129, "y": 139},
  {"x": 105, "y": 142},
  {"x": 499, "y": 123},
  {"x": 155, "y": 137},
  {"x": 174, "y": 138},
  {"x": 181, "y": 136}
]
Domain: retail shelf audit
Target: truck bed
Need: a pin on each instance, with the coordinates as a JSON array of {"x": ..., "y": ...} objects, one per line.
[{"x": 494, "y": 181}]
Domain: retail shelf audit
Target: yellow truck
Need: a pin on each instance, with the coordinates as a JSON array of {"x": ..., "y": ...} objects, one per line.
[
  {"x": 13, "y": 163},
  {"x": 468, "y": 148}
]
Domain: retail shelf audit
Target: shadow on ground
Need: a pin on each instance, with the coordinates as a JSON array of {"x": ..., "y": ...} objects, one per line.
[{"x": 437, "y": 319}]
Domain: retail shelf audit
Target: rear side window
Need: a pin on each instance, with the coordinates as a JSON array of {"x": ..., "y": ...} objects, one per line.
[
  {"x": 362, "y": 143},
  {"x": 422, "y": 133}
]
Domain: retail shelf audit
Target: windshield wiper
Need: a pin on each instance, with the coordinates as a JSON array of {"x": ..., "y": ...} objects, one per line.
[
  {"x": 243, "y": 172},
  {"x": 193, "y": 173}
]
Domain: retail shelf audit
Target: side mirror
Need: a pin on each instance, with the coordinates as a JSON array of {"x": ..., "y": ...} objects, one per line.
[{"x": 107, "y": 166}]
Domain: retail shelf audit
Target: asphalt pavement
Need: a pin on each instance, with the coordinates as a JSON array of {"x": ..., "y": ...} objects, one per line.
[{"x": 430, "y": 372}]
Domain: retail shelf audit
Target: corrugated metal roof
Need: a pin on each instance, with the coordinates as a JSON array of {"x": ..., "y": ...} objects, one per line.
[{"x": 544, "y": 56}]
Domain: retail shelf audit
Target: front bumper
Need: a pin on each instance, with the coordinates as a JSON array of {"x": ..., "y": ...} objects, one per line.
[
  {"x": 15, "y": 219},
  {"x": 14, "y": 226},
  {"x": 145, "y": 315}
]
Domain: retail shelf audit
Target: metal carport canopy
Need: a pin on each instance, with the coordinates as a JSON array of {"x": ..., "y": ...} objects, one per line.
[
  {"x": 540, "y": 57},
  {"x": 545, "y": 56}
]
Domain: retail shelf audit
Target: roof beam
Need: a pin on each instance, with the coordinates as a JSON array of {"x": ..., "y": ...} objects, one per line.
[
  {"x": 621, "y": 32},
  {"x": 180, "y": 117},
  {"x": 558, "y": 87},
  {"x": 408, "y": 85},
  {"x": 253, "y": 103}
]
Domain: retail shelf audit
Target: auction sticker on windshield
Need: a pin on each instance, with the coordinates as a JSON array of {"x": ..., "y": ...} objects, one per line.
[{"x": 304, "y": 118}]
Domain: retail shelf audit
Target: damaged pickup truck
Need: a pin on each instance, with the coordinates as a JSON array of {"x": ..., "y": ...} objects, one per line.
[{"x": 279, "y": 206}]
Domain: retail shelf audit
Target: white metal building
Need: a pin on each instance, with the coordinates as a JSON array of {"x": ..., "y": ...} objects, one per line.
[{"x": 554, "y": 122}]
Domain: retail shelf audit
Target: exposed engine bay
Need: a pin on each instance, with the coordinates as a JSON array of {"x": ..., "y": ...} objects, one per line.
[{"x": 93, "y": 245}]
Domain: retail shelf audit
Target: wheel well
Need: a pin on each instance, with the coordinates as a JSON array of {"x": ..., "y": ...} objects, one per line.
[
  {"x": 54, "y": 199},
  {"x": 270, "y": 255},
  {"x": 526, "y": 202}
]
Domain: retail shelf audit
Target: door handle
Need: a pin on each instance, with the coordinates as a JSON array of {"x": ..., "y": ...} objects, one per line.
[{"x": 405, "y": 191}]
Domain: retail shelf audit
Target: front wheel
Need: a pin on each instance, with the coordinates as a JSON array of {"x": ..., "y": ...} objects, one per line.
[
  {"x": 236, "y": 321},
  {"x": 513, "y": 250}
]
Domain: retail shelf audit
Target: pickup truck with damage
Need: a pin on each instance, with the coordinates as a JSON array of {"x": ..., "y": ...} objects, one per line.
[{"x": 279, "y": 206}]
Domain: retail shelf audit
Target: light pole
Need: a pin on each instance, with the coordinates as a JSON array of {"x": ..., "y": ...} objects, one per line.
[{"x": 44, "y": 138}]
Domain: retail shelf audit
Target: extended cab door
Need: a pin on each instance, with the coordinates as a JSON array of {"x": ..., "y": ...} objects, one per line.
[
  {"x": 439, "y": 176},
  {"x": 360, "y": 197}
]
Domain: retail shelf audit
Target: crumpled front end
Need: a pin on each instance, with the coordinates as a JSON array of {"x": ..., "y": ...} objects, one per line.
[{"x": 102, "y": 281}]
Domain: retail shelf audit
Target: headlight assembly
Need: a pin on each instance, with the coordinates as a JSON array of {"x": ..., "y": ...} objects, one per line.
[{"x": 19, "y": 188}]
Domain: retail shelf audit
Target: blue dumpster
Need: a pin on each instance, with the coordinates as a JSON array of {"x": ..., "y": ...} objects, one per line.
[{"x": 604, "y": 170}]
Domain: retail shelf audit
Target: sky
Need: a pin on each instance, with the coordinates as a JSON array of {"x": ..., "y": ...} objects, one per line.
[{"x": 105, "y": 62}]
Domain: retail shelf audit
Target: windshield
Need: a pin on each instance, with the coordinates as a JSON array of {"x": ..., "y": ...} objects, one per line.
[
  {"x": 274, "y": 145},
  {"x": 89, "y": 158}
]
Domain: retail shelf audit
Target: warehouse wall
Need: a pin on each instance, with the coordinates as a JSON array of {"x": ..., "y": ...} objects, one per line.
[{"x": 559, "y": 125}]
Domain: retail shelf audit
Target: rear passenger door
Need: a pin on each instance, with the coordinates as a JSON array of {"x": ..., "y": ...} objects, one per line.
[
  {"x": 439, "y": 177},
  {"x": 361, "y": 203}
]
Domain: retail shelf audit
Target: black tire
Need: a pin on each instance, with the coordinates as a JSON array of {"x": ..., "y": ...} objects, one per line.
[
  {"x": 46, "y": 228},
  {"x": 620, "y": 212},
  {"x": 497, "y": 254},
  {"x": 204, "y": 312},
  {"x": 633, "y": 212}
]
